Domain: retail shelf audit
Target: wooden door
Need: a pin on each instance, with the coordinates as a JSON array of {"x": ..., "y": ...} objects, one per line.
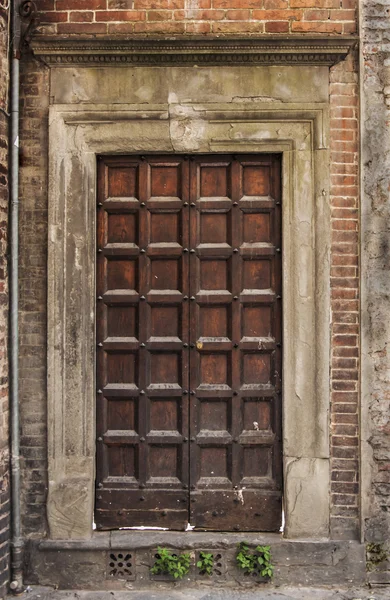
[{"x": 188, "y": 342}]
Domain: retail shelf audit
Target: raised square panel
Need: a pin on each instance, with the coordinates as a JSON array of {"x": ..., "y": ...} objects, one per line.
[
  {"x": 257, "y": 415},
  {"x": 257, "y": 227},
  {"x": 122, "y": 321},
  {"x": 256, "y": 274},
  {"x": 215, "y": 369},
  {"x": 121, "y": 414},
  {"x": 256, "y": 368},
  {"x": 122, "y": 228},
  {"x": 165, "y": 321},
  {"x": 215, "y": 228},
  {"x": 214, "y": 414},
  {"x": 164, "y": 227},
  {"x": 214, "y": 321},
  {"x": 163, "y": 461},
  {"x": 165, "y": 415},
  {"x": 257, "y": 321},
  {"x": 214, "y": 275},
  {"x": 122, "y": 367},
  {"x": 121, "y": 461},
  {"x": 256, "y": 180},
  {"x": 165, "y": 181},
  {"x": 214, "y": 463},
  {"x": 214, "y": 181},
  {"x": 257, "y": 461},
  {"x": 165, "y": 274},
  {"x": 123, "y": 182},
  {"x": 122, "y": 274},
  {"x": 165, "y": 368}
]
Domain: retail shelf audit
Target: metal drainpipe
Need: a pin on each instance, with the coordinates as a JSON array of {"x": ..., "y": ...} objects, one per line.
[{"x": 16, "y": 584}]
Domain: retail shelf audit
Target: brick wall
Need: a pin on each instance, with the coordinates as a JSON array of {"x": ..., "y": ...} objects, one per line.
[
  {"x": 198, "y": 16},
  {"x": 376, "y": 279},
  {"x": 4, "y": 446},
  {"x": 33, "y": 286},
  {"x": 344, "y": 299}
]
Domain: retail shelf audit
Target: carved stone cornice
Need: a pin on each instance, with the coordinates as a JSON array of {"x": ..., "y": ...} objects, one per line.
[{"x": 181, "y": 51}]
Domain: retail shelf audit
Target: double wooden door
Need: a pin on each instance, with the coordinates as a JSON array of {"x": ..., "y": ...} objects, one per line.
[{"x": 188, "y": 342}]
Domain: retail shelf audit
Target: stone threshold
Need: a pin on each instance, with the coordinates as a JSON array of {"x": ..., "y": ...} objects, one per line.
[
  {"x": 146, "y": 539},
  {"x": 88, "y": 563}
]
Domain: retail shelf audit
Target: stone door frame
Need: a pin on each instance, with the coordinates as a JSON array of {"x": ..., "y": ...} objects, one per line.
[{"x": 77, "y": 134}]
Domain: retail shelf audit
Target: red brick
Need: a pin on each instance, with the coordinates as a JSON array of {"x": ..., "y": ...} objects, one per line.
[
  {"x": 238, "y": 15},
  {"x": 121, "y": 15},
  {"x": 81, "y": 28},
  {"x": 349, "y": 28},
  {"x": 276, "y": 15},
  {"x": 159, "y": 15},
  {"x": 316, "y": 15},
  {"x": 270, "y": 4},
  {"x": 344, "y": 440},
  {"x": 205, "y": 15},
  {"x": 81, "y": 4},
  {"x": 158, "y": 4},
  {"x": 239, "y": 3},
  {"x": 159, "y": 27},
  {"x": 345, "y": 476},
  {"x": 54, "y": 17},
  {"x": 339, "y": 317},
  {"x": 344, "y": 224},
  {"x": 277, "y": 27},
  {"x": 198, "y": 27},
  {"x": 345, "y": 213},
  {"x": 345, "y": 340},
  {"x": 346, "y": 351},
  {"x": 81, "y": 17},
  {"x": 343, "y": 271},
  {"x": 233, "y": 27},
  {"x": 120, "y": 4},
  {"x": 345, "y": 418},
  {"x": 120, "y": 28},
  {"x": 343, "y": 15},
  {"x": 346, "y": 328},
  {"x": 344, "y": 499},
  {"x": 316, "y": 27}
]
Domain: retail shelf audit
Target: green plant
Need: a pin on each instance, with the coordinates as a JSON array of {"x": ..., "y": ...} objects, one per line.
[
  {"x": 167, "y": 563},
  {"x": 205, "y": 563},
  {"x": 257, "y": 560}
]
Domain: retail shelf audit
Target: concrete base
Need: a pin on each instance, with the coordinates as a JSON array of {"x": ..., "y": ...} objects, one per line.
[{"x": 91, "y": 564}]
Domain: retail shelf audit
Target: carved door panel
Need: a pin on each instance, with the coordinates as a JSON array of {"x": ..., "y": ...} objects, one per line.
[
  {"x": 188, "y": 342},
  {"x": 235, "y": 317},
  {"x": 142, "y": 318}
]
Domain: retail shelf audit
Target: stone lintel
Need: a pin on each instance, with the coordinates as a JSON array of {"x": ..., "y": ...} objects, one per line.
[{"x": 180, "y": 50}]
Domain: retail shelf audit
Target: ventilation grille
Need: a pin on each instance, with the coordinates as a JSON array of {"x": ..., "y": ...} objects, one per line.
[
  {"x": 219, "y": 569},
  {"x": 120, "y": 565}
]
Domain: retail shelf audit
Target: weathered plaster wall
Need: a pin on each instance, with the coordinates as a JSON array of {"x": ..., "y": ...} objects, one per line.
[
  {"x": 4, "y": 447},
  {"x": 376, "y": 277}
]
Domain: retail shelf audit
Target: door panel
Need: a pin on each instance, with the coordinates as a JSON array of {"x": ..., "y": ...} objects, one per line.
[
  {"x": 142, "y": 466},
  {"x": 235, "y": 362},
  {"x": 189, "y": 370}
]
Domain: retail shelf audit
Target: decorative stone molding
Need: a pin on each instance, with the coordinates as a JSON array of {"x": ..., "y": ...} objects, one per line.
[
  {"x": 78, "y": 133},
  {"x": 211, "y": 51}
]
